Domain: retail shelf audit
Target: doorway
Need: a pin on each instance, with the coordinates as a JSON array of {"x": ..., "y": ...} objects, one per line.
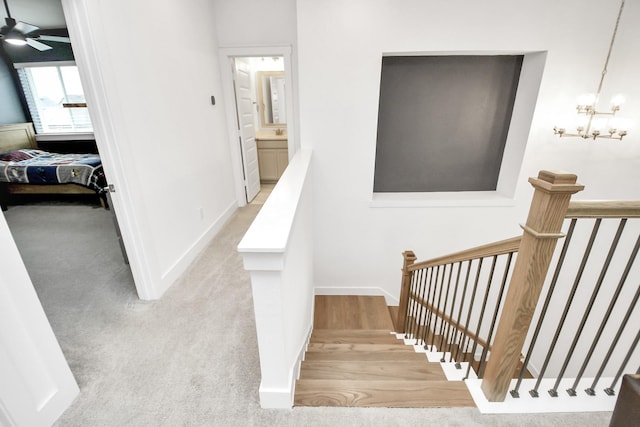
[{"x": 259, "y": 92}]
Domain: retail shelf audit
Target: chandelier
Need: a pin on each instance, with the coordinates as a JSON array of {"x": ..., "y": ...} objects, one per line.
[{"x": 591, "y": 123}]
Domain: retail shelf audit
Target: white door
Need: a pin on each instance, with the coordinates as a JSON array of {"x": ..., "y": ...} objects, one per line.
[
  {"x": 246, "y": 127},
  {"x": 36, "y": 384}
]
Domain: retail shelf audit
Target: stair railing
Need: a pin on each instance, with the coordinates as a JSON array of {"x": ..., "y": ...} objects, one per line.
[
  {"x": 439, "y": 305},
  {"x": 612, "y": 289},
  {"x": 459, "y": 333},
  {"x": 446, "y": 303}
]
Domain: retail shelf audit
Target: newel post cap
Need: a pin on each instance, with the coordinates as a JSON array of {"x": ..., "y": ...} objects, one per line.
[
  {"x": 556, "y": 182},
  {"x": 409, "y": 256}
]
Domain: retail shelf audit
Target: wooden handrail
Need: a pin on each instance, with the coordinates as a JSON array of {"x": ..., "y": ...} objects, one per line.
[
  {"x": 550, "y": 206},
  {"x": 446, "y": 318},
  {"x": 604, "y": 209},
  {"x": 497, "y": 248},
  {"x": 492, "y": 249}
]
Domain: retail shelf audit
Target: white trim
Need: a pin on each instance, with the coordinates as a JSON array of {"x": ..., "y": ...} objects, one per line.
[
  {"x": 305, "y": 345},
  {"x": 263, "y": 261},
  {"x": 89, "y": 67},
  {"x": 65, "y": 136},
  {"x": 275, "y": 398},
  {"x": 271, "y": 230},
  {"x": 172, "y": 273},
  {"x": 526, "y": 404},
  {"x": 281, "y": 398},
  {"x": 524, "y": 106},
  {"x": 44, "y": 64},
  {"x": 373, "y": 291},
  {"x": 440, "y": 199},
  {"x": 225, "y": 55},
  {"x": 454, "y": 374},
  {"x": 514, "y": 149},
  {"x": 459, "y": 52}
]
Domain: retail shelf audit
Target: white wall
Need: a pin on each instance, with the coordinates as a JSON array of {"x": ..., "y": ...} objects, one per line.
[
  {"x": 164, "y": 136},
  {"x": 340, "y": 44},
  {"x": 255, "y": 22}
]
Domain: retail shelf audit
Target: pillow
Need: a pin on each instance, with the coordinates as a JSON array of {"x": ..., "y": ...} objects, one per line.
[{"x": 15, "y": 156}]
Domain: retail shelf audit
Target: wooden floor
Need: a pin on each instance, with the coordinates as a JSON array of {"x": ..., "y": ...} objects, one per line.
[
  {"x": 351, "y": 312},
  {"x": 353, "y": 359}
]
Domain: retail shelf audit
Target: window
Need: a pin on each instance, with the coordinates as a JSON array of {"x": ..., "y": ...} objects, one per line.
[
  {"x": 55, "y": 97},
  {"x": 443, "y": 122}
]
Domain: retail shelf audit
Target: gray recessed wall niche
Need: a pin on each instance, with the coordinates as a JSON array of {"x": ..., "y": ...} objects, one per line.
[{"x": 443, "y": 121}]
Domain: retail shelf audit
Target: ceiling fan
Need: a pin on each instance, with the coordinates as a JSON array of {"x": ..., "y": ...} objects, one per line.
[{"x": 20, "y": 33}]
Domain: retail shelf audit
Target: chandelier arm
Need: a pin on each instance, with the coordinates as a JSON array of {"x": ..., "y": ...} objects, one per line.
[
  {"x": 606, "y": 62},
  {"x": 587, "y": 128}
]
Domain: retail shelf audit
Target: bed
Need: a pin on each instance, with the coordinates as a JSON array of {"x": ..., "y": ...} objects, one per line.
[{"x": 25, "y": 169}]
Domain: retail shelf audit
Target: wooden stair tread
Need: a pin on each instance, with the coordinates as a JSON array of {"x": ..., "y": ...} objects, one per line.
[
  {"x": 354, "y": 332},
  {"x": 353, "y": 359},
  {"x": 351, "y": 312},
  {"x": 354, "y": 336},
  {"x": 380, "y": 355},
  {"x": 357, "y": 348},
  {"x": 372, "y": 370},
  {"x": 391, "y": 394}
]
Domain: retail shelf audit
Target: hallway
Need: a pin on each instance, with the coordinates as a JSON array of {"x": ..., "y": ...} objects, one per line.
[{"x": 191, "y": 358}]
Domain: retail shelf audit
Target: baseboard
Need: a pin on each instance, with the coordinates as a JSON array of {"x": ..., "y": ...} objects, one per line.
[
  {"x": 301, "y": 353},
  {"x": 281, "y": 398},
  {"x": 390, "y": 299},
  {"x": 544, "y": 403},
  {"x": 275, "y": 398},
  {"x": 180, "y": 266}
]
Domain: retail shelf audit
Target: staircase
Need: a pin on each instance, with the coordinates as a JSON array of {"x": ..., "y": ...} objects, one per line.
[
  {"x": 354, "y": 359},
  {"x": 544, "y": 302}
]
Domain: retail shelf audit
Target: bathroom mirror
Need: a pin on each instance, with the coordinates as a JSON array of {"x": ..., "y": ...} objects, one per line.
[{"x": 271, "y": 98}]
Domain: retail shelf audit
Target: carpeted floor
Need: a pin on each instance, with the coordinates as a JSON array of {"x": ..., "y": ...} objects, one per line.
[{"x": 189, "y": 359}]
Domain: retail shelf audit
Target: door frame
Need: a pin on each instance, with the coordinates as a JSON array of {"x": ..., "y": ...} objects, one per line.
[{"x": 226, "y": 54}]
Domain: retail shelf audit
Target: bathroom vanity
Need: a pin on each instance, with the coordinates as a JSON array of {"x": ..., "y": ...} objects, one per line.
[{"x": 273, "y": 154}]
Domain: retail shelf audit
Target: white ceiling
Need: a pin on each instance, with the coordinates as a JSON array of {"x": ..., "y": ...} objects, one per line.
[{"x": 42, "y": 13}]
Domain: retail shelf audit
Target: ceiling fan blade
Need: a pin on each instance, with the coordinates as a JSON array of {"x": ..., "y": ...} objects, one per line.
[
  {"x": 25, "y": 28},
  {"x": 37, "y": 45},
  {"x": 58, "y": 39}
]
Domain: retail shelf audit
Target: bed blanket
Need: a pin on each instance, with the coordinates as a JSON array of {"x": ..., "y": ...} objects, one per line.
[{"x": 27, "y": 166}]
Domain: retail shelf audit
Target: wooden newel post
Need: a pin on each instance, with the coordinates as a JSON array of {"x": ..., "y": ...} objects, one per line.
[
  {"x": 553, "y": 192},
  {"x": 405, "y": 287}
]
